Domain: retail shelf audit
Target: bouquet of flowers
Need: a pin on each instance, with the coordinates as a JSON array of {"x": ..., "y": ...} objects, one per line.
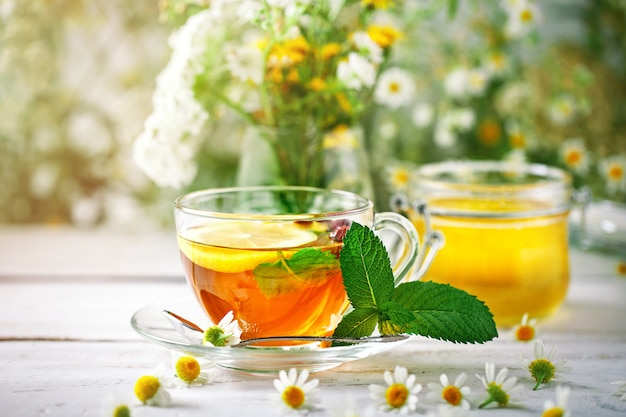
[{"x": 303, "y": 72}]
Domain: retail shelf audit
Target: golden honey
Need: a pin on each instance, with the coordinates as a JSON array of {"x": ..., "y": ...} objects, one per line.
[{"x": 506, "y": 235}]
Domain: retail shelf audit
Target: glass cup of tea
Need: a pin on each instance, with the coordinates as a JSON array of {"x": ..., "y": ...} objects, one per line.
[{"x": 256, "y": 250}]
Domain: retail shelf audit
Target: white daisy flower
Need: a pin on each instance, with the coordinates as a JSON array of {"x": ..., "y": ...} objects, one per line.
[
  {"x": 621, "y": 389},
  {"x": 562, "y": 109},
  {"x": 367, "y": 47},
  {"x": 456, "y": 82},
  {"x": 295, "y": 392},
  {"x": 499, "y": 388},
  {"x": 356, "y": 72},
  {"x": 400, "y": 394},
  {"x": 395, "y": 88},
  {"x": 190, "y": 370},
  {"x": 526, "y": 330},
  {"x": 423, "y": 114},
  {"x": 452, "y": 394},
  {"x": 613, "y": 169},
  {"x": 115, "y": 404},
  {"x": 477, "y": 81},
  {"x": 558, "y": 408},
  {"x": 524, "y": 16},
  {"x": 245, "y": 63},
  {"x": 542, "y": 368},
  {"x": 575, "y": 156},
  {"x": 445, "y": 134},
  {"x": 150, "y": 391},
  {"x": 224, "y": 333}
]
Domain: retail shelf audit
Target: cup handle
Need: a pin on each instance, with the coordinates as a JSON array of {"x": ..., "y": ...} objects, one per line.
[{"x": 433, "y": 240}]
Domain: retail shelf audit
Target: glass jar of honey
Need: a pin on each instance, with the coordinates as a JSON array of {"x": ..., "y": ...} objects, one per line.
[{"x": 505, "y": 230}]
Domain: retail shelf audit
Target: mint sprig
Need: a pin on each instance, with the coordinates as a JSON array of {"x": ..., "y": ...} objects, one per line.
[{"x": 429, "y": 309}]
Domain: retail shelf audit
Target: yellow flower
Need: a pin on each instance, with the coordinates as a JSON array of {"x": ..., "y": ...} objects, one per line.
[
  {"x": 401, "y": 391},
  {"x": 340, "y": 137},
  {"x": 295, "y": 392},
  {"x": 384, "y": 36},
  {"x": 317, "y": 84},
  {"x": 330, "y": 50},
  {"x": 377, "y": 4},
  {"x": 148, "y": 390}
]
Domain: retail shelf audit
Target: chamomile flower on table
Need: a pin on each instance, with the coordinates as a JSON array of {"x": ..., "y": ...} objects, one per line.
[
  {"x": 621, "y": 390},
  {"x": 557, "y": 408},
  {"x": 543, "y": 368},
  {"x": 453, "y": 394},
  {"x": 190, "y": 370},
  {"x": 224, "y": 333},
  {"x": 400, "y": 393},
  {"x": 526, "y": 330},
  {"x": 499, "y": 388},
  {"x": 296, "y": 393},
  {"x": 150, "y": 391},
  {"x": 115, "y": 404}
]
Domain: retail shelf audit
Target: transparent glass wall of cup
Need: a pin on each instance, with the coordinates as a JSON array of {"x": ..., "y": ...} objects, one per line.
[
  {"x": 505, "y": 229},
  {"x": 270, "y": 254}
]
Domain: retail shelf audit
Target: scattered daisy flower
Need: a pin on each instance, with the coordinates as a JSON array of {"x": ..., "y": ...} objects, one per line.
[
  {"x": 150, "y": 391},
  {"x": 562, "y": 109},
  {"x": 613, "y": 169},
  {"x": 190, "y": 370},
  {"x": 621, "y": 390},
  {"x": 543, "y": 368},
  {"x": 558, "y": 408},
  {"x": 115, "y": 405},
  {"x": 224, "y": 333},
  {"x": 523, "y": 18},
  {"x": 526, "y": 330},
  {"x": 575, "y": 155},
  {"x": 400, "y": 394},
  {"x": 295, "y": 392},
  {"x": 398, "y": 177},
  {"x": 499, "y": 387},
  {"x": 395, "y": 88},
  {"x": 451, "y": 394}
]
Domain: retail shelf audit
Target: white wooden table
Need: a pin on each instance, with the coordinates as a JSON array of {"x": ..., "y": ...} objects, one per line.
[{"x": 67, "y": 296}]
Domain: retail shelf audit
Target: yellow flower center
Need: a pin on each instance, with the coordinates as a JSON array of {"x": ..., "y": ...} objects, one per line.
[
  {"x": 293, "y": 396},
  {"x": 553, "y": 412},
  {"x": 524, "y": 333},
  {"x": 384, "y": 36},
  {"x": 526, "y": 15},
  {"x": 396, "y": 395},
  {"x": 452, "y": 395},
  {"x": 621, "y": 268},
  {"x": 517, "y": 140},
  {"x": 146, "y": 387},
  {"x": 121, "y": 411},
  {"x": 573, "y": 158},
  {"x": 394, "y": 87},
  {"x": 187, "y": 369},
  {"x": 489, "y": 132},
  {"x": 616, "y": 173}
]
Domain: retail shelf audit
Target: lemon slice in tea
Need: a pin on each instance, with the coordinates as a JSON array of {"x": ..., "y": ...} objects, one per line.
[{"x": 241, "y": 246}]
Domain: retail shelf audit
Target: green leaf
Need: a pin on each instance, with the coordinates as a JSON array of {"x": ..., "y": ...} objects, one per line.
[
  {"x": 358, "y": 323},
  {"x": 445, "y": 312},
  {"x": 366, "y": 269},
  {"x": 286, "y": 275},
  {"x": 393, "y": 317}
]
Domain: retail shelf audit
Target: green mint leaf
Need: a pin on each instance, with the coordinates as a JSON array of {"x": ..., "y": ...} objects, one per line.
[
  {"x": 444, "y": 312},
  {"x": 366, "y": 269},
  {"x": 393, "y": 318},
  {"x": 357, "y": 323},
  {"x": 287, "y": 275}
]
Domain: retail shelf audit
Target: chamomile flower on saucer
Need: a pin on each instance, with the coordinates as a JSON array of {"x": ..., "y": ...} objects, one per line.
[
  {"x": 543, "y": 368},
  {"x": 400, "y": 394},
  {"x": 499, "y": 388},
  {"x": 296, "y": 393},
  {"x": 452, "y": 394},
  {"x": 150, "y": 391},
  {"x": 190, "y": 370},
  {"x": 224, "y": 333},
  {"x": 115, "y": 404},
  {"x": 526, "y": 330},
  {"x": 558, "y": 408}
]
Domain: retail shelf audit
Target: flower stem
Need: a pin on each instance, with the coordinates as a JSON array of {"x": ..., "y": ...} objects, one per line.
[
  {"x": 487, "y": 402},
  {"x": 540, "y": 379}
]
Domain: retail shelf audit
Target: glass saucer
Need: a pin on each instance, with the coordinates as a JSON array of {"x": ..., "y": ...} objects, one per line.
[{"x": 151, "y": 323}]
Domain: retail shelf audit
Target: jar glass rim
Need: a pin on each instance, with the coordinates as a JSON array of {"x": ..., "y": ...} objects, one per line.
[
  {"x": 229, "y": 203},
  {"x": 519, "y": 189}
]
